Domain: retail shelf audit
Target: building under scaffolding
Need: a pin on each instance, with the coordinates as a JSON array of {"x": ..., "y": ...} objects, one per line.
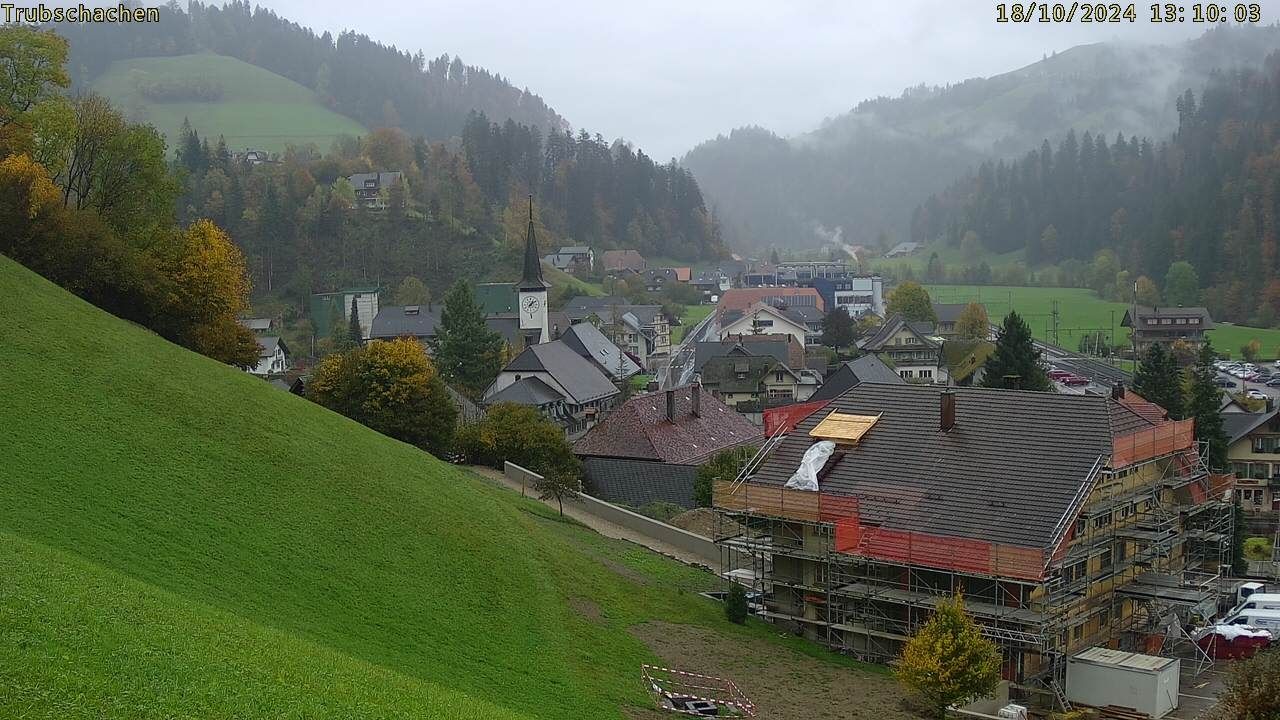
[{"x": 1066, "y": 522}]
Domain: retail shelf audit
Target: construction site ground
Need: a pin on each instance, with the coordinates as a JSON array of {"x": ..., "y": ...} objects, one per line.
[{"x": 771, "y": 677}]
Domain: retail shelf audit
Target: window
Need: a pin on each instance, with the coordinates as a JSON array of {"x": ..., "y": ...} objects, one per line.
[
  {"x": 1251, "y": 496},
  {"x": 926, "y": 374},
  {"x": 1122, "y": 551},
  {"x": 1080, "y": 527},
  {"x": 1181, "y": 321},
  {"x": 906, "y": 374},
  {"x": 1075, "y": 571},
  {"x": 1104, "y": 617},
  {"x": 1240, "y": 469},
  {"x": 780, "y": 393},
  {"x": 1105, "y": 560},
  {"x": 1077, "y": 632},
  {"x": 1102, "y": 520},
  {"x": 1259, "y": 471}
]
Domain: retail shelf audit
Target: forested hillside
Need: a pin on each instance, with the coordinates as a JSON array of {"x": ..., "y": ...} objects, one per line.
[
  {"x": 456, "y": 214},
  {"x": 375, "y": 84},
  {"x": 1209, "y": 196},
  {"x": 865, "y": 171}
]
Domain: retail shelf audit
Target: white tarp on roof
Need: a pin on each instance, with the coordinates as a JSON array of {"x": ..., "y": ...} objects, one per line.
[{"x": 806, "y": 477}]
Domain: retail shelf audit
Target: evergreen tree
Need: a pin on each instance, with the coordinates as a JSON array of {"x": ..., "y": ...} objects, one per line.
[
  {"x": 838, "y": 329},
  {"x": 1016, "y": 361},
  {"x": 353, "y": 324},
  {"x": 1159, "y": 380},
  {"x": 1202, "y": 406},
  {"x": 468, "y": 353},
  {"x": 736, "y": 608}
]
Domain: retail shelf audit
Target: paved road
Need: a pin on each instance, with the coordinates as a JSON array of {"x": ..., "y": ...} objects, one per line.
[{"x": 679, "y": 369}]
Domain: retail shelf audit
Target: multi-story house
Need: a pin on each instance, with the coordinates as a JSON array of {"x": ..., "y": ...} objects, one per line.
[
  {"x": 764, "y": 319},
  {"x": 371, "y": 188},
  {"x": 1254, "y": 453},
  {"x": 1167, "y": 325},
  {"x": 641, "y": 330},
  {"x": 564, "y": 386},
  {"x": 1066, "y": 521},
  {"x": 910, "y": 348}
]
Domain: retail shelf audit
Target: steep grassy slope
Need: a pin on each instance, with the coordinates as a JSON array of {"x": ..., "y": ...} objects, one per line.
[
  {"x": 180, "y": 539},
  {"x": 257, "y": 109}
]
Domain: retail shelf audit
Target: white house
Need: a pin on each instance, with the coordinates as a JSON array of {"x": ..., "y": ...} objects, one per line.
[
  {"x": 762, "y": 319},
  {"x": 913, "y": 349},
  {"x": 273, "y": 357}
]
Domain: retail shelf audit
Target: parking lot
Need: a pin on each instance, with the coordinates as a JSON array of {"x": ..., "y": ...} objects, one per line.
[
  {"x": 1197, "y": 694},
  {"x": 1241, "y": 385}
]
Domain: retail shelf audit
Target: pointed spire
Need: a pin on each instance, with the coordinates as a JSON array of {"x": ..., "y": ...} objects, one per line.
[{"x": 532, "y": 277}]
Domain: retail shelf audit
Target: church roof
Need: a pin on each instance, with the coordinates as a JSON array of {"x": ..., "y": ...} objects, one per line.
[{"x": 531, "y": 279}]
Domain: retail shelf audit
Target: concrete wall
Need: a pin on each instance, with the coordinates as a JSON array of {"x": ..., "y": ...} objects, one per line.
[{"x": 684, "y": 540}]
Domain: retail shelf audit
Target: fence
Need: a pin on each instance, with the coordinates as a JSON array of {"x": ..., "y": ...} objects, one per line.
[
  {"x": 900, "y": 546},
  {"x": 1162, "y": 439}
]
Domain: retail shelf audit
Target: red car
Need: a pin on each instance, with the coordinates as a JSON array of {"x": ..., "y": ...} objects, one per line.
[
  {"x": 1074, "y": 380},
  {"x": 1059, "y": 375}
]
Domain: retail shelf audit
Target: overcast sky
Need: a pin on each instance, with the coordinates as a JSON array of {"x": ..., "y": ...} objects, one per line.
[{"x": 667, "y": 75}]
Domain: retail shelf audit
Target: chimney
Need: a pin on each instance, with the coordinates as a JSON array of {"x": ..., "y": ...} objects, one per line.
[
  {"x": 1117, "y": 391},
  {"x": 948, "y": 419},
  {"x": 671, "y": 406},
  {"x": 695, "y": 398}
]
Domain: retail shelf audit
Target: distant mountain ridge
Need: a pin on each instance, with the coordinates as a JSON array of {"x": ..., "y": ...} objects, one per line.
[{"x": 864, "y": 171}]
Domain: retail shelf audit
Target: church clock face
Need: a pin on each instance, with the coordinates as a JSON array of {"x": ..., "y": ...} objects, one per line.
[{"x": 530, "y": 305}]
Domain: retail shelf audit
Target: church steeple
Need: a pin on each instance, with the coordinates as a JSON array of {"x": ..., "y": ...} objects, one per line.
[{"x": 532, "y": 277}]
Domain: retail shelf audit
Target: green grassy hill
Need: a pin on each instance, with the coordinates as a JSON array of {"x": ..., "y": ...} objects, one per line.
[
  {"x": 180, "y": 539},
  {"x": 1081, "y": 311},
  {"x": 258, "y": 109}
]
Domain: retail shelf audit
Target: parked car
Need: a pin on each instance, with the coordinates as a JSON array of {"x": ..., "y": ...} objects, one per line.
[
  {"x": 1256, "y": 395},
  {"x": 1224, "y": 382},
  {"x": 1274, "y": 382},
  {"x": 1249, "y": 376},
  {"x": 1058, "y": 375},
  {"x": 1074, "y": 380}
]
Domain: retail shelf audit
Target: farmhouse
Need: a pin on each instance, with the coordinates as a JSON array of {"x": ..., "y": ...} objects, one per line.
[
  {"x": 763, "y": 319},
  {"x": 649, "y": 449},
  {"x": 1167, "y": 325},
  {"x": 273, "y": 357},
  {"x": 371, "y": 188}
]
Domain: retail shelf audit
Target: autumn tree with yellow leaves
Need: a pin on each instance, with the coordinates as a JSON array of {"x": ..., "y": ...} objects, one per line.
[
  {"x": 949, "y": 661},
  {"x": 390, "y": 386}
]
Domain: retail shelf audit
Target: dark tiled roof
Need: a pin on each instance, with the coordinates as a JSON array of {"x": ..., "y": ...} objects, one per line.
[
  {"x": 584, "y": 306},
  {"x": 586, "y": 340},
  {"x": 580, "y": 379},
  {"x": 705, "y": 351},
  {"x": 721, "y": 374},
  {"x": 866, "y": 369},
  {"x": 1006, "y": 473},
  {"x": 394, "y": 321},
  {"x": 639, "y": 482},
  {"x": 508, "y": 326},
  {"x": 267, "y": 345},
  {"x": 383, "y": 179},
  {"x": 948, "y": 312},
  {"x": 639, "y": 429},
  {"x": 1143, "y": 407},
  {"x": 1206, "y": 321},
  {"x": 526, "y": 391},
  {"x": 879, "y": 340},
  {"x": 1238, "y": 425}
]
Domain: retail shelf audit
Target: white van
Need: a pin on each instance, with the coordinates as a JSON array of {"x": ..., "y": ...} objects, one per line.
[
  {"x": 1262, "y": 619},
  {"x": 1260, "y": 601}
]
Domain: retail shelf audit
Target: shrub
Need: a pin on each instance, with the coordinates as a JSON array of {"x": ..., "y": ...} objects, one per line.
[{"x": 735, "y": 604}]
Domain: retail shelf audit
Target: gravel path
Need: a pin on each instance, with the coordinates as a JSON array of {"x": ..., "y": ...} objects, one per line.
[{"x": 579, "y": 512}]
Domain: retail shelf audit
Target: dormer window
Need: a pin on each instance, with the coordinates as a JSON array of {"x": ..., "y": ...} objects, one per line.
[{"x": 411, "y": 310}]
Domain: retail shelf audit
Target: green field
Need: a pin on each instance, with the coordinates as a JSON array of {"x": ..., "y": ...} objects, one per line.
[
  {"x": 950, "y": 255},
  {"x": 258, "y": 109},
  {"x": 180, "y": 539},
  {"x": 693, "y": 314},
  {"x": 1081, "y": 311}
]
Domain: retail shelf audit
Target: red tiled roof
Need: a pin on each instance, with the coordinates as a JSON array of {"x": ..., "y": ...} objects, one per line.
[
  {"x": 743, "y": 298},
  {"x": 639, "y": 429},
  {"x": 1143, "y": 407}
]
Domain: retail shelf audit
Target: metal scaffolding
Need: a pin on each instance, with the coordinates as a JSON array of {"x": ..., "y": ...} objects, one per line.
[{"x": 1134, "y": 561}]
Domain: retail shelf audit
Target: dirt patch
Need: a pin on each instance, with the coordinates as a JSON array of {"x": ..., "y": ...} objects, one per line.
[
  {"x": 586, "y": 608},
  {"x": 783, "y": 684},
  {"x": 705, "y": 522}
]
